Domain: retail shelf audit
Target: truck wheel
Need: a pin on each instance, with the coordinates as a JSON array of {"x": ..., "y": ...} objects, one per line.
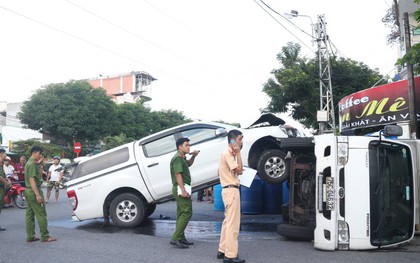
[
  {"x": 297, "y": 144},
  {"x": 127, "y": 210},
  {"x": 19, "y": 200},
  {"x": 298, "y": 232},
  {"x": 273, "y": 168},
  {"x": 150, "y": 209}
]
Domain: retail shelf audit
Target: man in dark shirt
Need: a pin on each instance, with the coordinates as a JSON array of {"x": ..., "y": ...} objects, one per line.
[
  {"x": 181, "y": 181},
  {"x": 35, "y": 199}
]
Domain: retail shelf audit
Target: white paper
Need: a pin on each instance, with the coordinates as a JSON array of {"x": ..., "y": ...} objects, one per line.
[
  {"x": 247, "y": 176},
  {"x": 187, "y": 188}
]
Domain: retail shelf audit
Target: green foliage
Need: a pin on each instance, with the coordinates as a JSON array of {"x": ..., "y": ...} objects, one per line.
[
  {"x": 23, "y": 147},
  {"x": 72, "y": 111},
  {"x": 114, "y": 141},
  {"x": 295, "y": 85},
  {"x": 137, "y": 121},
  {"x": 391, "y": 21},
  {"x": 413, "y": 56}
]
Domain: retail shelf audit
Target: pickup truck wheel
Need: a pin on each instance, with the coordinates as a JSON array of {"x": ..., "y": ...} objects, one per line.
[
  {"x": 150, "y": 209},
  {"x": 127, "y": 210},
  {"x": 273, "y": 168},
  {"x": 298, "y": 232}
]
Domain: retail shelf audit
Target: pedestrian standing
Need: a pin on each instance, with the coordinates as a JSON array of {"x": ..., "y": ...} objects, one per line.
[
  {"x": 54, "y": 178},
  {"x": 230, "y": 167},
  {"x": 8, "y": 169},
  {"x": 35, "y": 199},
  {"x": 3, "y": 181},
  {"x": 20, "y": 170},
  {"x": 181, "y": 181}
]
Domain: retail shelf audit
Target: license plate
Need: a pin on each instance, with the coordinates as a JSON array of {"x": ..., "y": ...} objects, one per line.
[{"x": 329, "y": 193}]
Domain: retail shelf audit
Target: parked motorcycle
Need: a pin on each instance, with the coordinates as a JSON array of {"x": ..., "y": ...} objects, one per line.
[{"x": 15, "y": 194}]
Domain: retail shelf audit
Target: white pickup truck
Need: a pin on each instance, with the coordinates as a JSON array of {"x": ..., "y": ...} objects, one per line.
[{"x": 126, "y": 183}]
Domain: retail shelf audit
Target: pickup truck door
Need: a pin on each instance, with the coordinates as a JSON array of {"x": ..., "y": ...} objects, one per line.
[
  {"x": 154, "y": 157},
  {"x": 154, "y": 161}
]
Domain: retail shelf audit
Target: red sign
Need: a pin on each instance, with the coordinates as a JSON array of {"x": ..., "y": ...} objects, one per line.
[
  {"x": 377, "y": 106},
  {"x": 77, "y": 148}
]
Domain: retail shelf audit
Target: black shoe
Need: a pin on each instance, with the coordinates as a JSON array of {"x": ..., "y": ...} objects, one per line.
[
  {"x": 178, "y": 244},
  {"x": 186, "y": 242},
  {"x": 233, "y": 260},
  {"x": 220, "y": 255},
  {"x": 2, "y": 229}
]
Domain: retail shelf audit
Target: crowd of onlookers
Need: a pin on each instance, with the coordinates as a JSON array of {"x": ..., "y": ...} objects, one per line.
[{"x": 14, "y": 171}]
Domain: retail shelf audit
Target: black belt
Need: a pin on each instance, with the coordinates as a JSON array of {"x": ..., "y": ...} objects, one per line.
[{"x": 231, "y": 186}]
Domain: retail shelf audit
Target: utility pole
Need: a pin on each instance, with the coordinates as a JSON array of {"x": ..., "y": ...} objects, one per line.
[
  {"x": 325, "y": 115},
  {"x": 410, "y": 78}
]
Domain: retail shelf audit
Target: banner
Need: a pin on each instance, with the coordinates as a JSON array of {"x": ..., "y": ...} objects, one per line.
[{"x": 377, "y": 106}]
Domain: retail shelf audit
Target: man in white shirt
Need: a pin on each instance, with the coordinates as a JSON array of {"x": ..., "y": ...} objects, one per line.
[
  {"x": 9, "y": 170},
  {"x": 54, "y": 178}
]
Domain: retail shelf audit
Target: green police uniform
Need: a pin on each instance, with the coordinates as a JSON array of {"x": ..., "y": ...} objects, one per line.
[
  {"x": 34, "y": 209},
  {"x": 179, "y": 164},
  {"x": 2, "y": 187}
]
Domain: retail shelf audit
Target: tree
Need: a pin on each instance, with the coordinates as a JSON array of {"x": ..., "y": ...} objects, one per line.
[
  {"x": 23, "y": 147},
  {"x": 135, "y": 120},
  {"x": 114, "y": 141},
  {"x": 413, "y": 56},
  {"x": 295, "y": 86},
  {"x": 70, "y": 111},
  {"x": 392, "y": 21}
]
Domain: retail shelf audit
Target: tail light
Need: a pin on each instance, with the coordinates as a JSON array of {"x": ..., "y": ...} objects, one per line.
[{"x": 73, "y": 199}]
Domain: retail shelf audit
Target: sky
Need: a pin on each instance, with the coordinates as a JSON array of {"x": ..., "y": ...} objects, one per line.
[{"x": 211, "y": 58}]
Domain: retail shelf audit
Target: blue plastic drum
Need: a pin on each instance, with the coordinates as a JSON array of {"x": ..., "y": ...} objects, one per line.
[
  {"x": 285, "y": 193},
  {"x": 217, "y": 198},
  {"x": 252, "y": 198},
  {"x": 273, "y": 195}
]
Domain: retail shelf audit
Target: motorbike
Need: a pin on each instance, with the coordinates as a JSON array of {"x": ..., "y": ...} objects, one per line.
[{"x": 15, "y": 194}]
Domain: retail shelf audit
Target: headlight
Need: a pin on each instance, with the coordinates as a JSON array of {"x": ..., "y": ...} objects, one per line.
[
  {"x": 343, "y": 235},
  {"x": 342, "y": 150}
]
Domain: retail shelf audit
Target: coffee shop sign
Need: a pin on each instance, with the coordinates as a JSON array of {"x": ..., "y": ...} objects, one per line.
[{"x": 377, "y": 106}]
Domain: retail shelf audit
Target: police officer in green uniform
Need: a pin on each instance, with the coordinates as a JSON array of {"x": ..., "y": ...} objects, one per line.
[
  {"x": 35, "y": 199},
  {"x": 3, "y": 181},
  {"x": 180, "y": 174}
]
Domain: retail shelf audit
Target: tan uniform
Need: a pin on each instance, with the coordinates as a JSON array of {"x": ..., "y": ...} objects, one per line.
[{"x": 232, "y": 202}]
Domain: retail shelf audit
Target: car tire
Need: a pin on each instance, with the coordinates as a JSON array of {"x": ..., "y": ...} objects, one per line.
[
  {"x": 127, "y": 210},
  {"x": 297, "y": 232},
  {"x": 273, "y": 168},
  {"x": 297, "y": 144},
  {"x": 150, "y": 209}
]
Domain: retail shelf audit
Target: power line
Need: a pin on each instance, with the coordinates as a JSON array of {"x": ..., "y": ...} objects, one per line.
[
  {"x": 133, "y": 33},
  {"x": 284, "y": 26},
  {"x": 100, "y": 47},
  {"x": 288, "y": 20}
]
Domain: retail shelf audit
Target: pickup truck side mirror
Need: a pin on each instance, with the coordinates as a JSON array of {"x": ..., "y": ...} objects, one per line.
[{"x": 221, "y": 132}]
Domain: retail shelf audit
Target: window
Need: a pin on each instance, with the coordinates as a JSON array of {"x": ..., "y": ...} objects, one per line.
[
  {"x": 199, "y": 135},
  {"x": 161, "y": 146},
  {"x": 392, "y": 193},
  {"x": 97, "y": 164}
]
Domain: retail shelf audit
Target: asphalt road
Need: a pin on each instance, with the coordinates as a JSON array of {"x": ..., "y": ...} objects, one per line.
[{"x": 88, "y": 242}]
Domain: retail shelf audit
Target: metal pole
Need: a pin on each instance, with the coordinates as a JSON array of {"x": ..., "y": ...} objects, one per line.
[{"x": 410, "y": 78}]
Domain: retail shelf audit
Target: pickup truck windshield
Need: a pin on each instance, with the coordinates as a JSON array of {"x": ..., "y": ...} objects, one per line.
[{"x": 391, "y": 193}]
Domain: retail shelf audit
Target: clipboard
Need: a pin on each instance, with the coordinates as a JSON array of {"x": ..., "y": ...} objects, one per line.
[
  {"x": 187, "y": 188},
  {"x": 247, "y": 176}
]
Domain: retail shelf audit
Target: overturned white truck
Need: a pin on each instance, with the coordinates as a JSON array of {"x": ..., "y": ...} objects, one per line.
[{"x": 355, "y": 192}]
